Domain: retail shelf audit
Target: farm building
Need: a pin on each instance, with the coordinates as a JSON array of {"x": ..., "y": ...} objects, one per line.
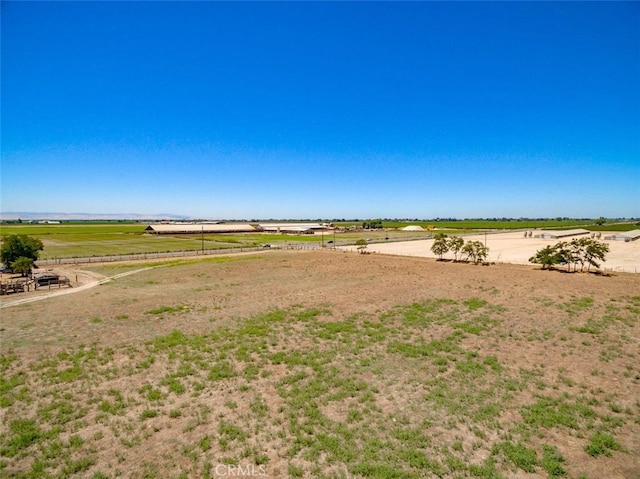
[
  {"x": 560, "y": 234},
  {"x": 198, "y": 228},
  {"x": 296, "y": 228},
  {"x": 626, "y": 236}
]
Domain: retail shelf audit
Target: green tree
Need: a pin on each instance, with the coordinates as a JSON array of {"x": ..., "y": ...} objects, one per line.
[
  {"x": 595, "y": 250},
  {"x": 22, "y": 265},
  {"x": 475, "y": 251},
  {"x": 440, "y": 245},
  {"x": 455, "y": 244},
  {"x": 372, "y": 224},
  {"x": 548, "y": 257},
  {"x": 579, "y": 251},
  {"x": 577, "y": 246},
  {"x": 19, "y": 246},
  {"x": 361, "y": 244},
  {"x": 481, "y": 251}
]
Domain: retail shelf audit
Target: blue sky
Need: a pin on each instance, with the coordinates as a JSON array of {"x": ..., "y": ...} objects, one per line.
[{"x": 322, "y": 109}]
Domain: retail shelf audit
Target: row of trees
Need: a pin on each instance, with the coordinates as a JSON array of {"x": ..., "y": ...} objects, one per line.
[
  {"x": 372, "y": 225},
  {"x": 578, "y": 251},
  {"x": 19, "y": 252},
  {"x": 473, "y": 251}
]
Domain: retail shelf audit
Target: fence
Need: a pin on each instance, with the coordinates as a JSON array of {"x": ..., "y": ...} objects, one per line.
[{"x": 164, "y": 255}]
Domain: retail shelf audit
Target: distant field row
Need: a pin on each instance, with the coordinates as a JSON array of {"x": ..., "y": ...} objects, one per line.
[
  {"x": 515, "y": 224},
  {"x": 116, "y": 238}
]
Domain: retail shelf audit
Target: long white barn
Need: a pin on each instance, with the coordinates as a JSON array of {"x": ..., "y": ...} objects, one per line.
[
  {"x": 626, "y": 236},
  {"x": 561, "y": 233},
  {"x": 298, "y": 228},
  {"x": 194, "y": 228}
]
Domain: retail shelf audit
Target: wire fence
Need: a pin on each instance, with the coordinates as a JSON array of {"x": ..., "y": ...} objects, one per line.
[{"x": 165, "y": 255}]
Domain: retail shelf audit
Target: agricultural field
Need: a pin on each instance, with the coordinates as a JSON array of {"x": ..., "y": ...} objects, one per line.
[
  {"x": 323, "y": 364},
  {"x": 78, "y": 240},
  {"x": 114, "y": 239}
]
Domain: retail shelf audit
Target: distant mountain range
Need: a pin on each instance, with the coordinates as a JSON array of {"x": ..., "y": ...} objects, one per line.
[{"x": 29, "y": 216}]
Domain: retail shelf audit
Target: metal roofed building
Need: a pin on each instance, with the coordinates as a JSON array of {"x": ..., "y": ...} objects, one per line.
[
  {"x": 626, "y": 236},
  {"x": 195, "y": 228},
  {"x": 297, "y": 228},
  {"x": 561, "y": 233}
]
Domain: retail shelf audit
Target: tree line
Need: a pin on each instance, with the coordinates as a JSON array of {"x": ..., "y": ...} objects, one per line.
[
  {"x": 578, "y": 251},
  {"x": 470, "y": 251}
]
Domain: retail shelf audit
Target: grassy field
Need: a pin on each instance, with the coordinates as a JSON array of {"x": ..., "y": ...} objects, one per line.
[
  {"x": 121, "y": 238},
  {"x": 67, "y": 241},
  {"x": 472, "y": 384}
]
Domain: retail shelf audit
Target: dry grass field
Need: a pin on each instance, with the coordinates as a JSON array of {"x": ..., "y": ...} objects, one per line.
[{"x": 324, "y": 364}]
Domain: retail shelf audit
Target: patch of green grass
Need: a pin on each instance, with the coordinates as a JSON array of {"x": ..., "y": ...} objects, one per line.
[
  {"x": 22, "y": 434},
  {"x": 549, "y": 412},
  {"x": 168, "y": 310},
  {"x": 601, "y": 443},
  {"x": 590, "y": 327},
  {"x": 230, "y": 432},
  {"x": 221, "y": 370},
  {"x": 552, "y": 461},
  {"x": 149, "y": 413},
  {"x": 576, "y": 306},
  {"x": 474, "y": 303},
  {"x": 522, "y": 456}
]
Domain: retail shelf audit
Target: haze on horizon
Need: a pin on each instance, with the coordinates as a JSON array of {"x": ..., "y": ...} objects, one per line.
[{"x": 322, "y": 109}]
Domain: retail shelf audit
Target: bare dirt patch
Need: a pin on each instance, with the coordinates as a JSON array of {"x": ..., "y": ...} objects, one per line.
[
  {"x": 313, "y": 364},
  {"x": 514, "y": 248}
]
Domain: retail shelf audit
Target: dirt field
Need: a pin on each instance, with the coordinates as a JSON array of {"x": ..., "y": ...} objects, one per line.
[
  {"x": 324, "y": 364},
  {"x": 514, "y": 248}
]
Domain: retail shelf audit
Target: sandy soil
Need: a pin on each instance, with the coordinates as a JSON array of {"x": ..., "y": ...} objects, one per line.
[{"x": 516, "y": 249}]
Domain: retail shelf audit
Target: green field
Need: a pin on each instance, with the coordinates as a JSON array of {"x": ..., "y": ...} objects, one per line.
[{"x": 68, "y": 240}]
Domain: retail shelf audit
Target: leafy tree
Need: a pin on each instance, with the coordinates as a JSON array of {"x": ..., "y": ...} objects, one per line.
[
  {"x": 361, "y": 244},
  {"x": 476, "y": 251},
  {"x": 455, "y": 244},
  {"x": 22, "y": 265},
  {"x": 588, "y": 250},
  {"x": 595, "y": 250},
  {"x": 547, "y": 257},
  {"x": 579, "y": 251},
  {"x": 372, "y": 224},
  {"x": 481, "y": 251},
  {"x": 565, "y": 254},
  {"x": 577, "y": 248},
  {"x": 19, "y": 246},
  {"x": 440, "y": 245}
]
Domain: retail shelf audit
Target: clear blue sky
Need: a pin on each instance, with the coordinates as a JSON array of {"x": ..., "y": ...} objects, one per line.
[{"x": 322, "y": 109}]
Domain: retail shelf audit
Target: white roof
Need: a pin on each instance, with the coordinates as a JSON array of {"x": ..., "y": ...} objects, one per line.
[
  {"x": 627, "y": 235},
  {"x": 633, "y": 234},
  {"x": 291, "y": 226},
  {"x": 200, "y": 228},
  {"x": 563, "y": 233}
]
